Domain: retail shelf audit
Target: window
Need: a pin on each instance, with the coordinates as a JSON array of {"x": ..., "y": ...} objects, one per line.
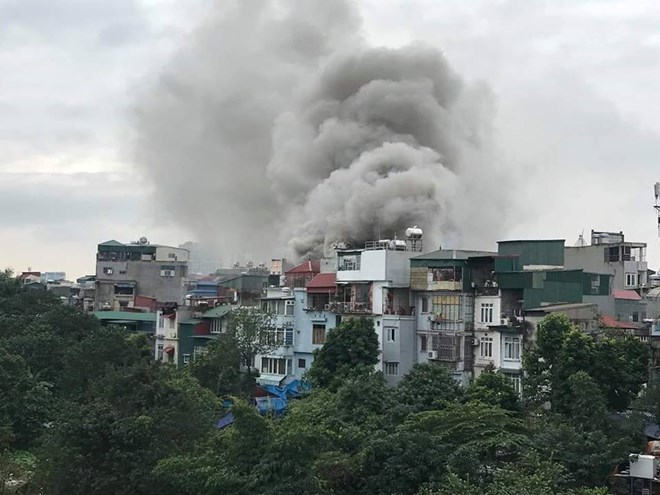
[
  {"x": 390, "y": 334},
  {"x": 288, "y": 336},
  {"x": 391, "y": 368},
  {"x": 122, "y": 272},
  {"x": 167, "y": 270},
  {"x": 216, "y": 325},
  {"x": 423, "y": 343},
  {"x": 198, "y": 350},
  {"x": 108, "y": 270},
  {"x": 515, "y": 381},
  {"x": 289, "y": 308},
  {"x": 512, "y": 348},
  {"x": 425, "y": 304},
  {"x": 486, "y": 313},
  {"x": 273, "y": 366},
  {"x": 186, "y": 358},
  {"x": 486, "y": 347},
  {"x": 635, "y": 317},
  {"x": 161, "y": 322},
  {"x": 447, "y": 308},
  {"x": 631, "y": 280},
  {"x": 171, "y": 255},
  {"x": 159, "y": 352},
  {"x": 276, "y": 336},
  {"x": 318, "y": 334},
  {"x": 172, "y": 323},
  {"x": 302, "y": 363}
]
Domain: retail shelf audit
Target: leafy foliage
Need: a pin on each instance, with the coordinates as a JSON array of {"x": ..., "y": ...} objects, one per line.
[
  {"x": 96, "y": 414},
  {"x": 352, "y": 345},
  {"x": 251, "y": 329}
]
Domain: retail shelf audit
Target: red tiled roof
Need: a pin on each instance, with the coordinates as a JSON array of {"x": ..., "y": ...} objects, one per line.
[
  {"x": 323, "y": 282},
  {"x": 631, "y": 295},
  {"x": 610, "y": 322},
  {"x": 309, "y": 266}
]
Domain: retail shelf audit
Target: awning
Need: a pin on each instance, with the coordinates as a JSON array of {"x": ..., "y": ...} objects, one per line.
[{"x": 169, "y": 350}]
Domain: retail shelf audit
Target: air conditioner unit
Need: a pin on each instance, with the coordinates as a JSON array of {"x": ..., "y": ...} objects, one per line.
[
  {"x": 505, "y": 321},
  {"x": 326, "y": 307},
  {"x": 432, "y": 355},
  {"x": 474, "y": 341}
]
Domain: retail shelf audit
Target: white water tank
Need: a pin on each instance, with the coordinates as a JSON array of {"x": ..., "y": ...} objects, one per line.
[
  {"x": 414, "y": 232},
  {"x": 654, "y": 280},
  {"x": 643, "y": 466}
]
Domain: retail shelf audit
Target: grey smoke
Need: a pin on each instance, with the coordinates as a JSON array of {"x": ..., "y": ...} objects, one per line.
[{"x": 277, "y": 125}]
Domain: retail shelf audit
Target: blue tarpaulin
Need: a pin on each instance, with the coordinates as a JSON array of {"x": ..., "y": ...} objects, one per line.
[
  {"x": 225, "y": 421},
  {"x": 273, "y": 405},
  {"x": 294, "y": 389}
]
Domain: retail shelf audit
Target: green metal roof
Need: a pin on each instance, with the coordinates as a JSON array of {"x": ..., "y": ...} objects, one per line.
[
  {"x": 453, "y": 254},
  {"x": 190, "y": 322},
  {"x": 217, "y": 312},
  {"x": 124, "y": 316}
]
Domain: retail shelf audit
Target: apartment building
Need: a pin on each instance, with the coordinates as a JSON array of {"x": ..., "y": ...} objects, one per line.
[{"x": 125, "y": 272}]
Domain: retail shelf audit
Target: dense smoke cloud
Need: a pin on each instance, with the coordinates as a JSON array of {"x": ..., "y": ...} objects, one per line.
[{"x": 278, "y": 125}]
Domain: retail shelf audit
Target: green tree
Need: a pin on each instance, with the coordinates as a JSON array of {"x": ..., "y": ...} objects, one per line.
[
  {"x": 495, "y": 389},
  {"x": 218, "y": 369},
  {"x": 427, "y": 387},
  {"x": 252, "y": 330},
  {"x": 133, "y": 417},
  {"x": 352, "y": 345},
  {"x": 26, "y": 403}
]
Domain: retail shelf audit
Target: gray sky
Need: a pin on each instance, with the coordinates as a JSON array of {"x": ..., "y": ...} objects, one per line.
[{"x": 576, "y": 86}]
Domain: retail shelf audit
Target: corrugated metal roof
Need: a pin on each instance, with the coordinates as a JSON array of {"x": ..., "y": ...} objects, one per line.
[
  {"x": 630, "y": 295},
  {"x": 306, "y": 267},
  {"x": 453, "y": 254},
  {"x": 323, "y": 281},
  {"x": 217, "y": 312},
  {"x": 611, "y": 322},
  {"x": 124, "y": 316},
  {"x": 190, "y": 322}
]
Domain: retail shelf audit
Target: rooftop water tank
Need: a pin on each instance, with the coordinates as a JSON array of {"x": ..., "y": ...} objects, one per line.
[{"x": 414, "y": 232}]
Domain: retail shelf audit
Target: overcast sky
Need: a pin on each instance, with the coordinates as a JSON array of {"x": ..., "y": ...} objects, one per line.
[{"x": 576, "y": 83}]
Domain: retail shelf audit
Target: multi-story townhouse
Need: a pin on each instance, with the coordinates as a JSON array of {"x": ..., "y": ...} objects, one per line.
[
  {"x": 126, "y": 271},
  {"x": 374, "y": 282}
]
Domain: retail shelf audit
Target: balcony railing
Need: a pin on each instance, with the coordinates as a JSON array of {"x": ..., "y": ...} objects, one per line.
[{"x": 351, "y": 307}]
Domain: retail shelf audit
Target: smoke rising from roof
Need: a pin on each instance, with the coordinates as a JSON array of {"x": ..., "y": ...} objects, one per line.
[{"x": 284, "y": 127}]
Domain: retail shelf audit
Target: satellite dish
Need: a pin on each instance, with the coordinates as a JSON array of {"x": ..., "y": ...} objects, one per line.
[{"x": 143, "y": 240}]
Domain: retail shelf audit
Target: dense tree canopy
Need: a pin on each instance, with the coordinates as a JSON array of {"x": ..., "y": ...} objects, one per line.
[
  {"x": 86, "y": 410},
  {"x": 352, "y": 346}
]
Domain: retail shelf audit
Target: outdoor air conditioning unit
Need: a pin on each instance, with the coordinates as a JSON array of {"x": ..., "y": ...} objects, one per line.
[
  {"x": 432, "y": 355},
  {"x": 505, "y": 321},
  {"x": 474, "y": 341}
]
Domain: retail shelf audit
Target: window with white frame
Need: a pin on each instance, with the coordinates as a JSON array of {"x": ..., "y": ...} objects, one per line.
[
  {"x": 631, "y": 279},
  {"x": 516, "y": 383},
  {"x": 390, "y": 368},
  {"x": 512, "y": 348},
  {"x": 186, "y": 358},
  {"x": 198, "y": 350},
  {"x": 288, "y": 311},
  {"x": 486, "y": 347},
  {"x": 486, "y": 313},
  {"x": 161, "y": 322},
  {"x": 108, "y": 270},
  {"x": 216, "y": 325},
  {"x": 167, "y": 271},
  {"x": 172, "y": 323},
  {"x": 425, "y": 304},
  {"x": 273, "y": 366},
  {"x": 159, "y": 352},
  {"x": 390, "y": 334}
]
